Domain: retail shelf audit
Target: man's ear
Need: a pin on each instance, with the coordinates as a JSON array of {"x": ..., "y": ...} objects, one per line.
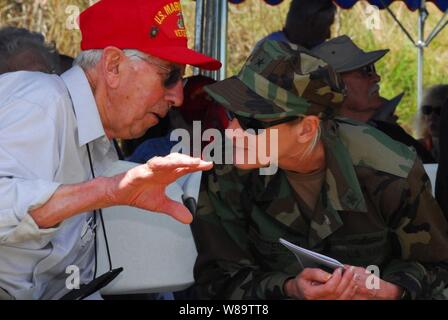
[
  {"x": 111, "y": 62},
  {"x": 307, "y": 129}
]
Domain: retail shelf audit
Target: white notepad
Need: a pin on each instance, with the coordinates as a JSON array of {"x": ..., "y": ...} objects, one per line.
[{"x": 311, "y": 259}]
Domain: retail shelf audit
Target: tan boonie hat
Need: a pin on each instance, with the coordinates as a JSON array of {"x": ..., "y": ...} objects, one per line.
[
  {"x": 344, "y": 55},
  {"x": 277, "y": 81}
]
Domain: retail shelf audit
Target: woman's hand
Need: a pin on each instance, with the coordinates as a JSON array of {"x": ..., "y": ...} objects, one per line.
[{"x": 316, "y": 284}]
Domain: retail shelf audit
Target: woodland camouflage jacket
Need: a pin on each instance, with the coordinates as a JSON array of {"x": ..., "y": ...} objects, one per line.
[{"x": 375, "y": 208}]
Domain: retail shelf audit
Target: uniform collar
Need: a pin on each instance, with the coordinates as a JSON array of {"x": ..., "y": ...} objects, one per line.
[
  {"x": 88, "y": 118},
  {"x": 340, "y": 192},
  {"x": 341, "y": 188},
  {"x": 342, "y": 185},
  {"x": 276, "y": 196}
]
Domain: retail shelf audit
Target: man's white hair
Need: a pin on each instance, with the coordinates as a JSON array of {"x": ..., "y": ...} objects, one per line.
[
  {"x": 89, "y": 58},
  {"x": 314, "y": 141}
]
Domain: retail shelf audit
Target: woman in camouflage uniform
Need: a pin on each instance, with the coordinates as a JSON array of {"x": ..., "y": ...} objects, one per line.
[{"x": 343, "y": 189}]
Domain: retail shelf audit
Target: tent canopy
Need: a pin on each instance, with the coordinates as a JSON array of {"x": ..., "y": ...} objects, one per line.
[
  {"x": 411, "y": 4},
  {"x": 347, "y": 4},
  {"x": 271, "y": 2}
]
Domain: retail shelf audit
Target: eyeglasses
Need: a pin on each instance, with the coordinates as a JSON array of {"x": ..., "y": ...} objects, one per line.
[
  {"x": 255, "y": 124},
  {"x": 173, "y": 75},
  {"x": 368, "y": 70},
  {"x": 428, "y": 110},
  {"x": 334, "y": 80}
]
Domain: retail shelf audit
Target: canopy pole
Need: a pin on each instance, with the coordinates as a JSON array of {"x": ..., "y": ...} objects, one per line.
[
  {"x": 439, "y": 27},
  {"x": 406, "y": 32},
  {"x": 420, "y": 44},
  {"x": 223, "y": 39},
  {"x": 423, "y": 15},
  {"x": 198, "y": 30},
  {"x": 216, "y": 34},
  {"x": 209, "y": 34}
]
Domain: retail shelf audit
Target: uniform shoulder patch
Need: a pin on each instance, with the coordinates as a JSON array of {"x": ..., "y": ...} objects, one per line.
[{"x": 369, "y": 147}]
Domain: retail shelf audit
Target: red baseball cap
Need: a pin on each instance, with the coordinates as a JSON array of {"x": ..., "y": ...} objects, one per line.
[{"x": 155, "y": 27}]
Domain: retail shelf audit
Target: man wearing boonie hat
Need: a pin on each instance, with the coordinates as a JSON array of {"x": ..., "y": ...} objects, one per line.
[
  {"x": 363, "y": 101},
  {"x": 57, "y": 135},
  {"x": 343, "y": 189},
  {"x": 357, "y": 70}
]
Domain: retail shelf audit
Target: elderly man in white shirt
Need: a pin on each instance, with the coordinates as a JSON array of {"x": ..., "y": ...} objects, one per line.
[{"x": 127, "y": 77}]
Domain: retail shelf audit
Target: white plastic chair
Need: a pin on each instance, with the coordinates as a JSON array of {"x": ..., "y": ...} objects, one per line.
[
  {"x": 431, "y": 171},
  {"x": 157, "y": 252}
]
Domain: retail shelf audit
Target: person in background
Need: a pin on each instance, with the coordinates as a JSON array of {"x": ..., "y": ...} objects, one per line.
[
  {"x": 308, "y": 24},
  {"x": 199, "y": 106},
  {"x": 441, "y": 189},
  {"x": 65, "y": 63},
  {"x": 432, "y": 104},
  {"x": 21, "y": 49},
  {"x": 363, "y": 101}
]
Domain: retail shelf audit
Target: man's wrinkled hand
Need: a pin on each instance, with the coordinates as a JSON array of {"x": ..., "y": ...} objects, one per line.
[{"x": 144, "y": 186}]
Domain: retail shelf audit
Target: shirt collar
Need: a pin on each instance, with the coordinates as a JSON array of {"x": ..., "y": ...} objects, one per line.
[
  {"x": 341, "y": 192},
  {"x": 343, "y": 189},
  {"x": 88, "y": 118}
]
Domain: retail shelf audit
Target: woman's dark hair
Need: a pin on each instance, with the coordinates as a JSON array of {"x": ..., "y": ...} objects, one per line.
[
  {"x": 308, "y": 22},
  {"x": 16, "y": 41},
  {"x": 441, "y": 188}
]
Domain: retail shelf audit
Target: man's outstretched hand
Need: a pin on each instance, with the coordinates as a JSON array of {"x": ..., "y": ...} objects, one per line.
[{"x": 144, "y": 186}]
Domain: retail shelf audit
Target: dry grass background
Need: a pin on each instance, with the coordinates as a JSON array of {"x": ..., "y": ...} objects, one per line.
[{"x": 250, "y": 21}]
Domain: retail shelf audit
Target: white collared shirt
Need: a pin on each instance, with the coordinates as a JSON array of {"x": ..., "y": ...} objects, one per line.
[{"x": 43, "y": 145}]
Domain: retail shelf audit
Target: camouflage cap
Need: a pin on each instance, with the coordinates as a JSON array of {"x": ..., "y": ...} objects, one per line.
[{"x": 277, "y": 81}]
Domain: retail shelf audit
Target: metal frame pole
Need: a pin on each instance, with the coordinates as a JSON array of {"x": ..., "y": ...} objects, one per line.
[
  {"x": 198, "y": 30},
  {"x": 439, "y": 27},
  {"x": 222, "y": 35},
  {"x": 423, "y": 15},
  {"x": 419, "y": 44},
  {"x": 209, "y": 34},
  {"x": 216, "y": 34}
]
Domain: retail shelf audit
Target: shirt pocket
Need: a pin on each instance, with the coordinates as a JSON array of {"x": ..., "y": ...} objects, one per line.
[
  {"x": 271, "y": 254},
  {"x": 360, "y": 249}
]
